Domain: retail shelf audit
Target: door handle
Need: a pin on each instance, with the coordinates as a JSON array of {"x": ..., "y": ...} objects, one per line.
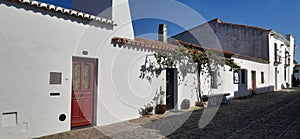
[{"x": 82, "y": 94}]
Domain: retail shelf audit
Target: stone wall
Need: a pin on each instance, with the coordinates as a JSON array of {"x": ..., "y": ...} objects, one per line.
[{"x": 244, "y": 40}]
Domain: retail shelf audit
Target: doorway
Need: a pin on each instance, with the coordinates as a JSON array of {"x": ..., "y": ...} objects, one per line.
[
  {"x": 83, "y": 91},
  {"x": 171, "y": 88}
]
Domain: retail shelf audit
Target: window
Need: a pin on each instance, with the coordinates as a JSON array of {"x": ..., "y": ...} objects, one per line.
[
  {"x": 235, "y": 77},
  {"x": 287, "y": 58},
  {"x": 214, "y": 80},
  {"x": 262, "y": 77},
  {"x": 296, "y": 71},
  {"x": 275, "y": 52},
  {"x": 243, "y": 76}
]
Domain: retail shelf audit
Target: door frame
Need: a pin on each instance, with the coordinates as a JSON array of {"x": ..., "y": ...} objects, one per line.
[{"x": 95, "y": 86}]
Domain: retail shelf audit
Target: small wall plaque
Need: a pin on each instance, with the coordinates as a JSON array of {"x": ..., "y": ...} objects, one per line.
[{"x": 55, "y": 78}]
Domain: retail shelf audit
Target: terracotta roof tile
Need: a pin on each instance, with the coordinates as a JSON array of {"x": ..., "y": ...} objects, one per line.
[
  {"x": 297, "y": 67},
  {"x": 146, "y": 43},
  {"x": 260, "y": 60},
  {"x": 54, "y": 8},
  {"x": 152, "y": 44}
]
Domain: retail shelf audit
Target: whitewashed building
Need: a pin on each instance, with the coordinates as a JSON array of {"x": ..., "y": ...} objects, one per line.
[
  {"x": 63, "y": 68},
  {"x": 44, "y": 48},
  {"x": 249, "y": 41}
]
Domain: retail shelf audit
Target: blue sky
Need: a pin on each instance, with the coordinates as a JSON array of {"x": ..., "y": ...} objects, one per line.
[{"x": 283, "y": 16}]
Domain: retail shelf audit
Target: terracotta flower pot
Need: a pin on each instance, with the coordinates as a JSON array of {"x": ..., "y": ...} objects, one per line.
[
  {"x": 160, "y": 109},
  {"x": 199, "y": 104}
]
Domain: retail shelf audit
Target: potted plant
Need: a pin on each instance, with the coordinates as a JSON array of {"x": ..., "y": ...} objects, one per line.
[
  {"x": 160, "y": 107},
  {"x": 205, "y": 98},
  {"x": 199, "y": 104},
  {"x": 185, "y": 104},
  {"x": 147, "y": 110}
]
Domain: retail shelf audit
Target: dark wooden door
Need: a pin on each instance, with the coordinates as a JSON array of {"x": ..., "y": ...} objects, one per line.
[
  {"x": 171, "y": 88},
  {"x": 82, "y": 92},
  {"x": 253, "y": 74}
]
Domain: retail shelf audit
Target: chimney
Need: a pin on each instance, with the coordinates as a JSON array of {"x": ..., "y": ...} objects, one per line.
[{"x": 162, "y": 33}]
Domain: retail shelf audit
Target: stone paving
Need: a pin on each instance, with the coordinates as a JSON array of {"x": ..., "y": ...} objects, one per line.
[{"x": 270, "y": 115}]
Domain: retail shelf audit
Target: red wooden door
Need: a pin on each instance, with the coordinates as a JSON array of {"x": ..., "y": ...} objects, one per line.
[
  {"x": 253, "y": 73},
  {"x": 82, "y": 92}
]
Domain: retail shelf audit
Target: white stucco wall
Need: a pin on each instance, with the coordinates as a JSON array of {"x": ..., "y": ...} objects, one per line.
[
  {"x": 227, "y": 85},
  {"x": 36, "y": 42},
  {"x": 291, "y": 49},
  {"x": 282, "y": 45},
  {"x": 245, "y": 89},
  {"x": 187, "y": 88},
  {"x": 121, "y": 14}
]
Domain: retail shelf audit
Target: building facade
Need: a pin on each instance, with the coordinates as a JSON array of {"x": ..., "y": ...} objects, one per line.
[
  {"x": 63, "y": 68},
  {"x": 44, "y": 49},
  {"x": 248, "y": 41}
]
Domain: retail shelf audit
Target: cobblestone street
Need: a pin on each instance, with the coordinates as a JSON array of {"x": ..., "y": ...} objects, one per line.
[{"x": 270, "y": 115}]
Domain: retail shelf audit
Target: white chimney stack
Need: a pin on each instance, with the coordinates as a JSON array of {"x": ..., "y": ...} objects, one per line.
[{"x": 162, "y": 33}]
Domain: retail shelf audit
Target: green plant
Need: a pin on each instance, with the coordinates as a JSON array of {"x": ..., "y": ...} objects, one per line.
[
  {"x": 205, "y": 98},
  {"x": 185, "y": 101},
  {"x": 207, "y": 61},
  {"x": 161, "y": 96},
  {"x": 147, "y": 110}
]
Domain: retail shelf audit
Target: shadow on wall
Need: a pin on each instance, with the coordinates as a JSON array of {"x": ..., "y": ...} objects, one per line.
[
  {"x": 188, "y": 37},
  {"x": 295, "y": 81},
  {"x": 55, "y": 14},
  {"x": 243, "y": 91}
]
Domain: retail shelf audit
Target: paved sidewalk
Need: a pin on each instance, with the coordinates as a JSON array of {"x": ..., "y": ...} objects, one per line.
[{"x": 271, "y": 115}]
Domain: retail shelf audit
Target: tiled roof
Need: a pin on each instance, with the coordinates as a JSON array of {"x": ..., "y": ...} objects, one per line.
[
  {"x": 297, "y": 67},
  {"x": 218, "y": 20},
  {"x": 65, "y": 11},
  {"x": 171, "y": 47},
  {"x": 146, "y": 43},
  {"x": 251, "y": 58}
]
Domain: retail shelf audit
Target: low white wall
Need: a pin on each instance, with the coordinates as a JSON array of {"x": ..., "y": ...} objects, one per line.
[
  {"x": 187, "y": 88},
  {"x": 245, "y": 89},
  {"x": 122, "y": 92}
]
